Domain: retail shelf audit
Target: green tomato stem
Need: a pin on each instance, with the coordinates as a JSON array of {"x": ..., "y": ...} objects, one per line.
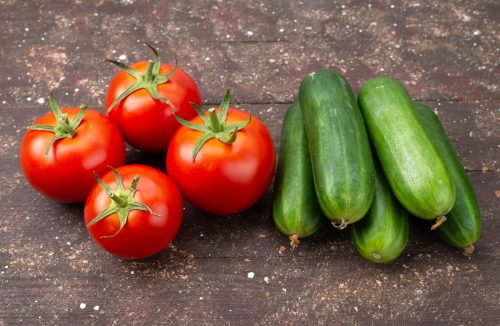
[
  {"x": 63, "y": 128},
  {"x": 148, "y": 81},
  {"x": 215, "y": 125},
  {"x": 123, "y": 201},
  {"x": 214, "y": 121},
  {"x": 149, "y": 72}
]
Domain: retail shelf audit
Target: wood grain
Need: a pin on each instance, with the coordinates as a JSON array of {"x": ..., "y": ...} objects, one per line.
[{"x": 446, "y": 53}]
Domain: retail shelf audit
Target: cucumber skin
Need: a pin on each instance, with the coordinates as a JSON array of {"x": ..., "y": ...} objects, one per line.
[
  {"x": 463, "y": 226},
  {"x": 384, "y": 231},
  {"x": 295, "y": 206},
  {"x": 339, "y": 147},
  {"x": 416, "y": 173}
]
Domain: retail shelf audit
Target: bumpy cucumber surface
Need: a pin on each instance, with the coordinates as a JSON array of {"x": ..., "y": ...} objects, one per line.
[
  {"x": 413, "y": 167},
  {"x": 382, "y": 235},
  {"x": 296, "y": 211},
  {"x": 463, "y": 226},
  {"x": 339, "y": 147}
]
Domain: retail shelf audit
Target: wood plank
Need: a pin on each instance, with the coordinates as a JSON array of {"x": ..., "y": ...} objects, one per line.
[
  {"x": 470, "y": 125},
  {"x": 49, "y": 255},
  {"x": 204, "y": 276},
  {"x": 446, "y": 53},
  {"x": 433, "y": 48}
]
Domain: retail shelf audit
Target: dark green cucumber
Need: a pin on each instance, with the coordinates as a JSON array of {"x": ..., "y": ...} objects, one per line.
[
  {"x": 382, "y": 235},
  {"x": 296, "y": 211},
  {"x": 339, "y": 147},
  {"x": 463, "y": 226},
  {"x": 412, "y": 165}
]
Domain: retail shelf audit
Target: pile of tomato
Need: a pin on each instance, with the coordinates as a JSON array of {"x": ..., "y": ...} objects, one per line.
[{"x": 221, "y": 160}]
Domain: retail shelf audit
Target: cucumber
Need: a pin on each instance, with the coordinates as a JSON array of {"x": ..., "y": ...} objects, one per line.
[
  {"x": 296, "y": 211},
  {"x": 463, "y": 226},
  {"x": 382, "y": 235},
  {"x": 412, "y": 165},
  {"x": 339, "y": 147}
]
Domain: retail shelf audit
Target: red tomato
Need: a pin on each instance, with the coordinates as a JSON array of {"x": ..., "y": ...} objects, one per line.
[
  {"x": 143, "y": 234},
  {"x": 147, "y": 123},
  {"x": 66, "y": 172},
  {"x": 223, "y": 178}
]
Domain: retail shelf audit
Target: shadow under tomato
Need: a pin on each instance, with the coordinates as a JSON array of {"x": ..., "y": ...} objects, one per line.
[{"x": 155, "y": 160}]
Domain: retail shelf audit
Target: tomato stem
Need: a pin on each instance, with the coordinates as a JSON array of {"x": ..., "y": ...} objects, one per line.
[
  {"x": 214, "y": 126},
  {"x": 123, "y": 201},
  {"x": 148, "y": 81},
  {"x": 149, "y": 72},
  {"x": 214, "y": 121},
  {"x": 63, "y": 128}
]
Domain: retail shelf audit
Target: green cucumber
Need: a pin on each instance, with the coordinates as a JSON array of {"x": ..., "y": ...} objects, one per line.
[
  {"x": 412, "y": 165},
  {"x": 296, "y": 211},
  {"x": 463, "y": 226},
  {"x": 382, "y": 235},
  {"x": 339, "y": 147}
]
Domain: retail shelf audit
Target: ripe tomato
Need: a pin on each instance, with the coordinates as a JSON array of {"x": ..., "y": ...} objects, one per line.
[
  {"x": 64, "y": 169},
  {"x": 145, "y": 120},
  {"x": 227, "y": 174},
  {"x": 144, "y": 217}
]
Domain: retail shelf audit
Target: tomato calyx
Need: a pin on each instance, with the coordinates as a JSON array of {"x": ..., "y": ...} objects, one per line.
[
  {"x": 214, "y": 125},
  {"x": 122, "y": 201},
  {"x": 63, "y": 128},
  {"x": 148, "y": 81}
]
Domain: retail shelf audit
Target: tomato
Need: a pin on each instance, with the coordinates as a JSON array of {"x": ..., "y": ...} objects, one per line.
[
  {"x": 63, "y": 170},
  {"x": 142, "y": 219},
  {"x": 145, "y": 116},
  {"x": 232, "y": 169}
]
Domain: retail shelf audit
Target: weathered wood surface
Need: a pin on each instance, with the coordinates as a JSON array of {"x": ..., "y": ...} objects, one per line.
[{"x": 445, "y": 52}]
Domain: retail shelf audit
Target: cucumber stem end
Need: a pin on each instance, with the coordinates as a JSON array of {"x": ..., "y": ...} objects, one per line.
[
  {"x": 440, "y": 220},
  {"x": 342, "y": 225},
  {"x": 294, "y": 240},
  {"x": 469, "y": 250}
]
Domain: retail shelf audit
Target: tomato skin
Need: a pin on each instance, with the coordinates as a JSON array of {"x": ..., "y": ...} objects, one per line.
[
  {"x": 224, "y": 178},
  {"x": 66, "y": 173},
  {"x": 144, "y": 234},
  {"x": 146, "y": 123}
]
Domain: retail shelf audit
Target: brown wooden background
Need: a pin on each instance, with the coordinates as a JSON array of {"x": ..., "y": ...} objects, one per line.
[{"x": 445, "y": 52}]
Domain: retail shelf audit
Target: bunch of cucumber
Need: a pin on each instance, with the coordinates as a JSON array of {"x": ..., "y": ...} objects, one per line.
[{"x": 370, "y": 163}]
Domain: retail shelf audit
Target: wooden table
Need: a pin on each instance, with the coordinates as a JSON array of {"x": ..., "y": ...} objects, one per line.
[{"x": 445, "y": 52}]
